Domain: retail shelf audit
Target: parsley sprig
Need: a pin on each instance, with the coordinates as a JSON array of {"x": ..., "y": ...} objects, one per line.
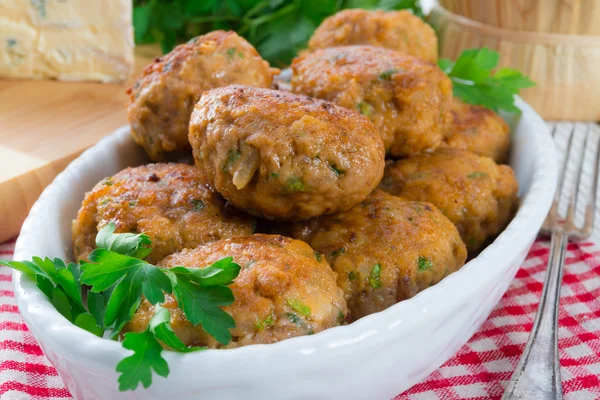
[
  {"x": 117, "y": 277},
  {"x": 277, "y": 28},
  {"x": 475, "y": 82}
]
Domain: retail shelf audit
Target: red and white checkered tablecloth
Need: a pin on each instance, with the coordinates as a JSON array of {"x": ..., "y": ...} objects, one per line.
[{"x": 480, "y": 370}]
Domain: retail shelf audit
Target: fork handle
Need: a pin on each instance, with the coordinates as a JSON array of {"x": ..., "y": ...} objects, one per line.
[{"x": 537, "y": 375}]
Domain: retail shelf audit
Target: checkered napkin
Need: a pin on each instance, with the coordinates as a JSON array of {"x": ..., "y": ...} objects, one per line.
[{"x": 480, "y": 370}]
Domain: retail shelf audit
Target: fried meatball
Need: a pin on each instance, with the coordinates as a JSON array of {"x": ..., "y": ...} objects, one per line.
[
  {"x": 479, "y": 130},
  {"x": 477, "y": 195},
  {"x": 283, "y": 156},
  {"x": 407, "y": 99},
  {"x": 168, "y": 202},
  {"x": 284, "y": 290},
  {"x": 396, "y": 30},
  {"x": 385, "y": 249},
  {"x": 161, "y": 101}
]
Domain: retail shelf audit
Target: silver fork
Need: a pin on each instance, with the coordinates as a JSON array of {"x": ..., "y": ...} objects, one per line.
[{"x": 537, "y": 375}]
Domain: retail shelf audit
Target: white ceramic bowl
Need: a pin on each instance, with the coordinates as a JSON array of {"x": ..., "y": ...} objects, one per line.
[{"x": 376, "y": 357}]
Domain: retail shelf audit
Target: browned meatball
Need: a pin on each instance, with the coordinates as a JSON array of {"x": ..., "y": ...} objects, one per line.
[
  {"x": 385, "y": 249},
  {"x": 283, "y": 156},
  {"x": 407, "y": 99},
  {"x": 477, "y": 195},
  {"x": 284, "y": 290},
  {"x": 396, "y": 30},
  {"x": 169, "y": 202},
  {"x": 161, "y": 101},
  {"x": 479, "y": 130}
]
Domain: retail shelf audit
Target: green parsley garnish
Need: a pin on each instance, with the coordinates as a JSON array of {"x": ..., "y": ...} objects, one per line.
[
  {"x": 364, "y": 108},
  {"x": 374, "y": 276},
  {"x": 318, "y": 256},
  {"x": 476, "y": 174},
  {"x": 424, "y": 264},
  {"x": 266, "y": 323},
  {"x": 147, "y": 351},
  {"x": 352, "y": 275},
  {"x": 298, "y": 306},
  {"x": 387, "y": 75},
  {"x": 339, "y": 251},
  {"x": 232, "y": 52},
  {"x": 474, "y": 82},
  {"x": 337, "y": 171},
  {"x": 198, "y": 204},
  {"x": 118, "y": 276},
  {"x": 108, "y": 182},
  {"x": 293, "y": 317},
  {"x": 294, "y": 184},
  {"x": 274, "y": 175}
]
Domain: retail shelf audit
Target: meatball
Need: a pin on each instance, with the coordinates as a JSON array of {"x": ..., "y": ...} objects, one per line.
[
  {"x": 477, "y": 195},
  {"x": 479, "y": 130},
  {"x": 396, "y": 30},
  {"x": 407, "y": 99},
  {"x": 283, "y": 156},
  {"x": 385, "y": 249},
  {"x": 284, "y": 290},
  {"x": 169, "y": 202},
  {"x": 161, "y": 101}
]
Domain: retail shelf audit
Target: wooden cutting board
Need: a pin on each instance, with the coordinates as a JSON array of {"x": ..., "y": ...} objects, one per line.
[{"x": 46, "y": 124}]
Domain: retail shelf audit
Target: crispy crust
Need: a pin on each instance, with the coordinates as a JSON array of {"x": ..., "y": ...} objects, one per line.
[
  {"x": 162, "y": 99},
  {"x": 283, "y": 290},
  {"x": 283, "y": 156},
  {"x": 407, "y": 99},
  {"x": 413, "y": 244},
  {"x": 476, "y": 194},
  {"x": 396, "y": 30},
  {"x": 169, "y": 202}
]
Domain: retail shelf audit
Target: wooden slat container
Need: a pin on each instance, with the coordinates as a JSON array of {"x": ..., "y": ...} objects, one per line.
[
  {"x": 566, "y": 68},
  {"x": 549, "y": 16}
]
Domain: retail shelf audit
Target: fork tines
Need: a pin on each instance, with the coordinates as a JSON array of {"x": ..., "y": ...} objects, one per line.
[{"x": 573, "y": 209}]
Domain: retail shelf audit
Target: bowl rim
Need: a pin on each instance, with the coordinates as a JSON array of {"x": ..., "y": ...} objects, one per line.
[{"x": 379, "y": 327}]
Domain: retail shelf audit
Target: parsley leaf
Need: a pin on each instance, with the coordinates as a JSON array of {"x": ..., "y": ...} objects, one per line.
[
  {"x": 201, "y": 305},
  {"x": 88, "y": 322},
  {"x": 424, "y": 264},
  {"x": 146, "y": 357},
  {"x": 294, "y": 184},
  {"x": 298, "y": 306},
  {"x": 160, "y": 324},
  {"x": 223, "y": 272},
  {"x": 129, "y": 244},
  {"x": 474, "y": 81},
  {"x": 375, "y": 277},
  {"x": 58, "y": 282},
  {"x": 118, "y": 277}
]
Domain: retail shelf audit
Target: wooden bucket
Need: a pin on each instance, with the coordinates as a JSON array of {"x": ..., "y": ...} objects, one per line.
[
  {"x": 566, "y": 68},
  {"x": 548, "y": 16}
]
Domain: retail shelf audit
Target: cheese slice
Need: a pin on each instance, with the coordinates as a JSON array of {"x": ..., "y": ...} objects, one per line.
[{"x": 75, "y": 40}]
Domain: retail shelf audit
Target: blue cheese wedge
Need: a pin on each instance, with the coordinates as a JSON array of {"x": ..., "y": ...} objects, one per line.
[{"x": 72, "y": 40}]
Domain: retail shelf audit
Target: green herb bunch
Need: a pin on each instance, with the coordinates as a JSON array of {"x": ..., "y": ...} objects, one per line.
[
  {"x": 475, "y": 82},
  {"x": 117, "y": 277},
  {"x": 277, "y": 28}
]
